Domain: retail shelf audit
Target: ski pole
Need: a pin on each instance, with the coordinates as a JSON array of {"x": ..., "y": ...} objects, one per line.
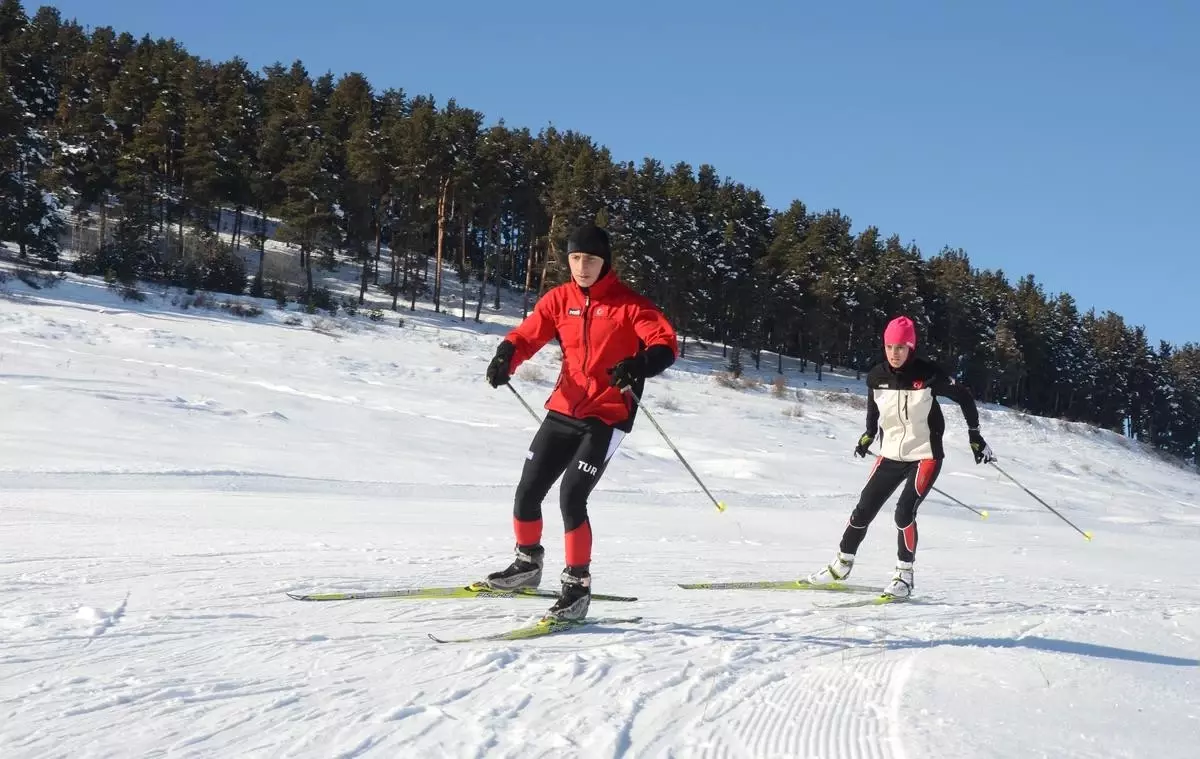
[
  {"x": 1085, "y": 534},
  {"x": 720, "y": 506},
  {"x": 944, "y": 494},
  {"x": 528, "y": 408}
]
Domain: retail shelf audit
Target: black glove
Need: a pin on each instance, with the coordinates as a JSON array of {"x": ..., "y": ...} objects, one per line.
[
  {"x": 979, "y": 447},
  {"x": 864, "y": 444},
  {"x": 497, "y": 371},
  {"x": 628, "y": 371}
]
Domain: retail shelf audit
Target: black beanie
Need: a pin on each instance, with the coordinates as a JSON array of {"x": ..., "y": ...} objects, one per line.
[{"x": 590, "y": 239}]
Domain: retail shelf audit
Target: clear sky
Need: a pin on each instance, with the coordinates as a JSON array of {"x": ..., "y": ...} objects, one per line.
[{"x": 1055, "y": 137}]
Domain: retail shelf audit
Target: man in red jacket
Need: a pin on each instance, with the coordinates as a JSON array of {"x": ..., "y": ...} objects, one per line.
[{"x": 612, "y": 339}]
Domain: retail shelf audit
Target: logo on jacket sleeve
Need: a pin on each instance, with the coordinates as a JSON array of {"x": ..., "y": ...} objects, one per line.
[
  {"x": 918, "y": 384},
  {"x": 574, "y": 312}
]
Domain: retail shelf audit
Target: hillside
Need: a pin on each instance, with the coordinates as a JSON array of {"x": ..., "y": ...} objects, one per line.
[{"x": 168, "y": 474}]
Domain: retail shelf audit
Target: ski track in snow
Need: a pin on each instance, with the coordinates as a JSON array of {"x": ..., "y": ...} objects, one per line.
[{"x": 165, "y": 478}]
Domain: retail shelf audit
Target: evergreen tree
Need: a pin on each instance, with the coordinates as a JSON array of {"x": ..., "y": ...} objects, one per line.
[{"x": 166, "y": 143}]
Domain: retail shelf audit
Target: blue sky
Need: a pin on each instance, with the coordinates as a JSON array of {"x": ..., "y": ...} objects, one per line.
[{"x": 1059, "y": 138}]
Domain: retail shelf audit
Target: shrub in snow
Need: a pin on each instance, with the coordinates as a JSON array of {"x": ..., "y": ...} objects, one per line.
[
  {"x": 725, "y": 379},
  {"x": 779, "y": 386},
  {"x": 530, "y": 373},
  {"x": 245, "y": 310},
  {"x": 794, "y": 411},
  {"x": 669, "y": 403}
]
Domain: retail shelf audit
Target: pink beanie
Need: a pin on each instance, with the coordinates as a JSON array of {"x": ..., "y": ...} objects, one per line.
[{"x": 901, "y": 330}]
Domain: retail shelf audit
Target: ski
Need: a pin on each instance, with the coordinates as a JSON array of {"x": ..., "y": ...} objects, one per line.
[
  {"x": 837, "y": 587},
  {"x": 538, "y": 629},
  {"x": 475, "y": 590},
  {"x": 879, "y": 600}
]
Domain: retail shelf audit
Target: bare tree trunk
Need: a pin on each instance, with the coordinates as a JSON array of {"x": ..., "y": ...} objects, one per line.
[
  {"x": 364, "y": 255},
  {"x": 103, "y": 219},
  {"x": 462, "y": 258},
  {"x": 262, "y": 244},
  {"x": 412, "y": 305},
  {"x": 308, "y": 278},
  {"x": 443, "y": 200},
  {"x": 404, "y": 269},
  {"x": 499, "y": 260},
  {"x": 482, "y": 288},
  {"x": 463, "y": 261},
  {"x": 378, "y": 245},
  {"x": 395, "y": 282},
  {"x": 529, "y": 264},
  {"x": 162, "y": 218},
  {"x": 21, "y": 201},
  {"x": 549, "y": 252}
]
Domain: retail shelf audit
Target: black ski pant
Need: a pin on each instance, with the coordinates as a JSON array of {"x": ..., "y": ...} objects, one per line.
[
  {"x": 887, "y": 475},
  {"x": 578, "y": 450}
]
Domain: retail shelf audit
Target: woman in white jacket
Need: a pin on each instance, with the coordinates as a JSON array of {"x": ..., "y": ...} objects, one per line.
[{"x": 902, "y": 410}]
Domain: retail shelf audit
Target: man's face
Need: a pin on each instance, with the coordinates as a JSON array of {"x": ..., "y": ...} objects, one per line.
[
  {"x": 897, "y": 354},
  {"x": 585, "y": 268}
]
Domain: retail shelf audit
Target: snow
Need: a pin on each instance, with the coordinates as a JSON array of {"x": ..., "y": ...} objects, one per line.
[{"x": 166, "y": 476}]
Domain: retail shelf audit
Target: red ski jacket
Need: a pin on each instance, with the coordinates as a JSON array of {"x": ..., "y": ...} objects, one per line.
[{"x": 596, "y": 329}]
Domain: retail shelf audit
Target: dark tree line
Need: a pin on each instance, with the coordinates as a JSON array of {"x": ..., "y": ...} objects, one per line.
[{"x": 140, "y": 138}]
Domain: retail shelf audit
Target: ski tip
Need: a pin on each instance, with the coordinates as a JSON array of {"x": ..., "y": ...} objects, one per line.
[
  {"x": 983, "y": 514},
  {"x": 1087, "y": 536},
  {"x": 721, "y": 506}
]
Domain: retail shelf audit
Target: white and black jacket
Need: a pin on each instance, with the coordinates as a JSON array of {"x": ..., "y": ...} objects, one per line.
[{"x": 903, "y": 412}]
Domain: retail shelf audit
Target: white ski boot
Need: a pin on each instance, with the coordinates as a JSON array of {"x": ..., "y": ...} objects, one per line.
[
  {"x": 901, "y": 585},
  {"x": 836, "y": 571}
]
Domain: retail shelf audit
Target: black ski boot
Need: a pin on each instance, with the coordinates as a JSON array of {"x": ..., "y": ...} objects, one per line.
[
  {"x": 524, "y": 572},
  {"x": 576, "y": 596}
]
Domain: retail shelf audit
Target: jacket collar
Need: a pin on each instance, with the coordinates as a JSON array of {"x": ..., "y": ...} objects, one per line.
[
  {"x": 603, "y": 286},
  {"x": 904, "y": 368}
]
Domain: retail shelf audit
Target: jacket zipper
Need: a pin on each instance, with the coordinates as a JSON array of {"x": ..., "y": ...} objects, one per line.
[{"x": 587, "y": 349}]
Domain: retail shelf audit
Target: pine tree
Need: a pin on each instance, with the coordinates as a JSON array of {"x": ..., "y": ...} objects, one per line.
[
  {"x": 29, "y": 212},
  {"x": 1183, "y": 424},
  {"x": 168, "y": 143}
]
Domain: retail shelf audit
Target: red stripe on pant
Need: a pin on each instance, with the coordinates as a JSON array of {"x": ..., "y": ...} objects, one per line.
[
  {"x": 529, "y": 533},
  {"x": 910, "y": 537},
  {"x": 925, "y": 472},
  {"x": 578, "y": 543}
]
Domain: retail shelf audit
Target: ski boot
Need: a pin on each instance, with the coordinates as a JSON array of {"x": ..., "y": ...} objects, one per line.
[
  {"x": 836, "y": 571},
  {"x": 576, "y": 596},
  {"x": 902, "y": 584},
  {"x": 524, "y": 572}
]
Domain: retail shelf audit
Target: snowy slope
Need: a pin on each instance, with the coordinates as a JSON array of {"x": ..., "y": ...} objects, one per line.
[{"x": 166, "y": 476}]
